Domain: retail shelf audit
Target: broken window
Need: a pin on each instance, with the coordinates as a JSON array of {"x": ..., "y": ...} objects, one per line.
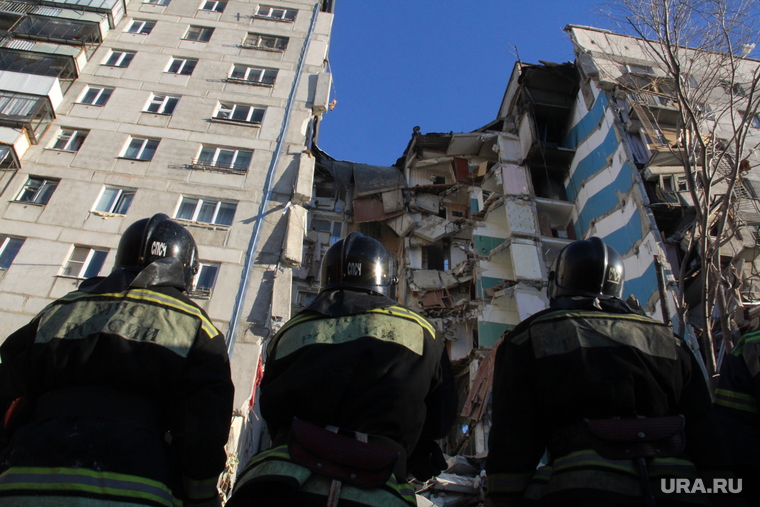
[
  {"x": 304, "y": 298},
  {"x": 335, "y": 228}
]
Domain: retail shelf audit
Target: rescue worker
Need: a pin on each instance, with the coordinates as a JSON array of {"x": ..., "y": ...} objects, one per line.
[
  {"x": 355, "y": 392},
  {"x": 121, "y": 390},
  {"x": 606, "y": 392},
  {"x": 737, "y": 407}
]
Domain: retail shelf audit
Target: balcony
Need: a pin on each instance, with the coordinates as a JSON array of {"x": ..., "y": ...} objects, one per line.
[
  {"x": 33, "y": 113},
  {"x": 24, "y": 56},
  {"x": 660, "y": 108},
  {"x": 59, "y": 31}
]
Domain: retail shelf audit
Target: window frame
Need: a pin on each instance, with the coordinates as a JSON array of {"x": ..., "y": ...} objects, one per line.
[
  {"x": 231, "y": 109},
  {"x": 163, "y": 3},
  {"x": 265, "y": 77},
  {"x": 206, "y": 291},
  {"x": 167, "y": 102},
  {"x": 270, "y": 16},
  {"x": 142, "y": 149},
  {"x": 73, "y": 139},
  {"x": 114, "y": 207},
  {"x": 260, "y": 37},
  {"x": 201, "y": 30},
  {"x": 86, "y": 264},
  {"x": 145, "y": 26},
  {"x": 6, "y": 258},
  {"x": 216, "y": 3},
  {"x": 40, "y": 197},
  {"x": 119, "y": 62},
  {"x": 200, "y": 201},
  {"x": 181, "y": 69},
  {"x": 213, "y": 163},
  {"x": 332, "y": 227},
  {"x": 98, "y": 96}
]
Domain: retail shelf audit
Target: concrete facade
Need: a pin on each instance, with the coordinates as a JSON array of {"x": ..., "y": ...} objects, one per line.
[{"x": 201, "y": 110}]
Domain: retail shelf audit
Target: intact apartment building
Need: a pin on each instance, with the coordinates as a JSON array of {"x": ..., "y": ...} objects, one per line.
[{"x": 112, "y": 111}]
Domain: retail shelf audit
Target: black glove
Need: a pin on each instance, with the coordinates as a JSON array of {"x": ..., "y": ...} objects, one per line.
[{"x": 426, "y": 461}]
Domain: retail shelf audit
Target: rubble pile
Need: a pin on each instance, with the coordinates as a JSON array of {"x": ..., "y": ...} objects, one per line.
[{"x": 462, "y": 484}]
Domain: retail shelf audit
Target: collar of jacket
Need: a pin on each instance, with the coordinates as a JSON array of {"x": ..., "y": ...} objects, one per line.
[
  {"x": 342, "y": 302},
  {"x": 612, "y": 305}
]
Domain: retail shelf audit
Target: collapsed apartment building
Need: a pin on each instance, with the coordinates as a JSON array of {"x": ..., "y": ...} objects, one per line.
[{"x": 476, "y": 219}]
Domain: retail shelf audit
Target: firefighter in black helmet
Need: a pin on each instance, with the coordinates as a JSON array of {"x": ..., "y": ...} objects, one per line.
[
  {"x": 119, "y": 393},
  {"x": 616, "y": 401},
  {"x": 355, "y": 391}
]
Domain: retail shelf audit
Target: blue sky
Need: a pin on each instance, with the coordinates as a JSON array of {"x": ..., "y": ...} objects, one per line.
[{"x": 442, "y": 65}]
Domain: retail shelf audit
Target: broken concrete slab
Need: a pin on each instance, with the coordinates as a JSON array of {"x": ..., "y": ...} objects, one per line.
[
  {"x": 434, "y": 228},
  {"x": 402, "y": 224},
  {"x": 426, "y": 202}
]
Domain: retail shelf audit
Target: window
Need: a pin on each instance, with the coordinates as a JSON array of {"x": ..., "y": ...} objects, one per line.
[
  {"x": 253, "y": 75},
  {"x": 639, "y": 69},
  {"x": 754, "y": 120},
  {"x": 162, "y": 104},
  {"x": 9, "y": 247},
  {"x": 266, "y": 42},
  {"x": 37, "y": 190},
  {"x": 199, "y": 33},
  {"x": 224, "y": 158},
  {"x": 119, "y": 58},
  {"x": 69, "y": 140},
  {"x": 115, "y": 200},
  {"x": 96, "y": 96},
  {"x": 157, "y": 2},
  {"x": 214, "y": 5},
  {"x": 275, "y": 13},
  {"x": 182, "y": 66},
  {"x": 674, "y": 183},
  {"x": 141, "y": 149},
  {"x": 85, "y": 262},
  {"x": 334, "y": 228},
  {"x": 141, "y": 26},
  {"x": 203, "y": 283},
  {"x": 239, "y": 112},
  {"x": 206, "y": 211}
]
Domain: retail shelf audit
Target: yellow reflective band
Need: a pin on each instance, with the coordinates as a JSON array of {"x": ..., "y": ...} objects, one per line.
[
  {"x": 281, "y": 452},
  {"x": 398, "y": 311},
  {"x": 582, "y": 330},
  {"x": 129, "y": 319},
  {"x": 199, "y": 489},
  {"x": 738, "y": 401},
  {"x": 87, "y": 481},
  {"x": 155, "y": 297},
  {"x": 277, "y": 470},
  {"x": 587, "y": 458},
  {"x": 320, "y": 485},
  {"x": 377, "y": 325}
]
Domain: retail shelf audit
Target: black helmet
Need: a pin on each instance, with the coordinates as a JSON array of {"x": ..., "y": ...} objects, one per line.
[
  {"x": 359, "y": 262},
  {"x": 587, "y": 268},
  {"x": 151, "y": 239}
]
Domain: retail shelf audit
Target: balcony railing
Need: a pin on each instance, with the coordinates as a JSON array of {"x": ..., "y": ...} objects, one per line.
[{"x": 210, "y": 165}]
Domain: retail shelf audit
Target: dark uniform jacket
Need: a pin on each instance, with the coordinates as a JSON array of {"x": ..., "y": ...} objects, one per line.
[
  {"x": 359, "y": 362},
  {"x": 737, "y": 406},
  {"x": 561, "y": 366},
  {"x": 102, "y": 375}
]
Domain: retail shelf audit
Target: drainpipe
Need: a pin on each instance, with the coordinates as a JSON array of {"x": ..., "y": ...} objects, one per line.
[{"x": 267, "y": 194}]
